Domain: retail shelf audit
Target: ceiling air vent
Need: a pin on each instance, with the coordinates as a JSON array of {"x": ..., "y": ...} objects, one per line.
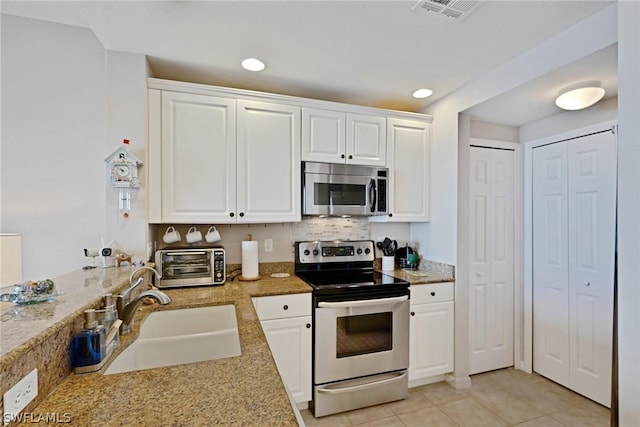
[{"x": 454, "y": 9}]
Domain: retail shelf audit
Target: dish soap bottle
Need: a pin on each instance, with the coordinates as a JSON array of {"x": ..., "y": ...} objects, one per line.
[{"x": 88, "y": 347}]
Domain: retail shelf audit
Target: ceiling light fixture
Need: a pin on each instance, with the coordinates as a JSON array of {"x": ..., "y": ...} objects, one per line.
[
  {"x": 579, "y": 95},
  {"x": 253, "y": 64},
  {"x": 422, "y": 93}
]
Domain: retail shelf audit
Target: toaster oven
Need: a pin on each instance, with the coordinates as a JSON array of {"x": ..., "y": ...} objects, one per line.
[{"x": 191, "y": 267}]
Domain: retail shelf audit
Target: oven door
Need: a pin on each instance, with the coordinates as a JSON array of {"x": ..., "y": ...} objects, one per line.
[{"x": 359, "y": 338}]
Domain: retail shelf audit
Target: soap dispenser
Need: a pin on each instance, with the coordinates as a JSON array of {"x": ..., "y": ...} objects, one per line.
[
  {"x": 88, "y": 347},
  {"x": 107, "y": 316}
]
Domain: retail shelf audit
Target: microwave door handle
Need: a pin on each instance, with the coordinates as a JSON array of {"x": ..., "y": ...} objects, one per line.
[
  {"x": 363, "y": 303},
  {"x": 372, "y": 195}
]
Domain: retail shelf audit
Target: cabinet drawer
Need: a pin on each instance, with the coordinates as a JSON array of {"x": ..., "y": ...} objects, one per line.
[
  {"x": 283, "y": 306},
  {"x": 434, "y": 292}
]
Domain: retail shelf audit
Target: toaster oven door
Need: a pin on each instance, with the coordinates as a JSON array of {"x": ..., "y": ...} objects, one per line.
[{"x": 186, "y": 268}]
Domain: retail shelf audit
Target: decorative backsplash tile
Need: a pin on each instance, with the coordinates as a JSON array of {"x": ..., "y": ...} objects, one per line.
[
  {"x": 315, "y": 228},
  {"x": 283, "y": 235}
]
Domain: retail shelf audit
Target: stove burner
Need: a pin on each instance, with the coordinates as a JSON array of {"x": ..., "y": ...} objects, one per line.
[{"x": 318, "y": 265}]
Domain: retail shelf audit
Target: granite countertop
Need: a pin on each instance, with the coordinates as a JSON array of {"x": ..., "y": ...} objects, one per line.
[
  {"x": 429, "y": 272},
  {"x": 242, "y": 390},
  {"x": 23, "y": 325},
  {"x": 420, "y": 277}
]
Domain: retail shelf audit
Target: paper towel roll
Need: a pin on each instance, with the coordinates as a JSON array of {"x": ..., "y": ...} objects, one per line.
[{"x": 249, "y": 259}]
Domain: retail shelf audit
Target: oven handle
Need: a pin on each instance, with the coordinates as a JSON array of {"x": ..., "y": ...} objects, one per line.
[
  {"x": 365, "y": 303},
  {"x": 359, "y": 387},
  {"x": 186, "y": 253}
]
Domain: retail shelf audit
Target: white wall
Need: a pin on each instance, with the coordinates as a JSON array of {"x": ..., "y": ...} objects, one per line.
[
  {"x": 67, "y": 104},
  {"x": 603, "y": 111},
  {"x": 440, "y": 239},
  {"x": 493, "y": 131},
  {"x": 127, "y": 119},
  {"x": 629, "y": 213},
  {"x": 53, "y": 136}
]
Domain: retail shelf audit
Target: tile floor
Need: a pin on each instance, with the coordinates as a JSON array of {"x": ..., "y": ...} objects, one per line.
[{"x": 506, "y": 397}]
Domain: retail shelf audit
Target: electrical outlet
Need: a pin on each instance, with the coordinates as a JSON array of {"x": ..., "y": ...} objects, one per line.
[
  {"x": 19, "y": 396},
  {"x": 268, "y": 245}
]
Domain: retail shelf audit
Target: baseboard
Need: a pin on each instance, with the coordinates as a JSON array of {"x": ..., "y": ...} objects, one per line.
[
  {"x": 423, "y": 381},
  {"x": 458, "y": 382}
]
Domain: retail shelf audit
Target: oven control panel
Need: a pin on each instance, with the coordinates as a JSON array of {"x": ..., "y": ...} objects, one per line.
[{"x": 336, "y": 251}]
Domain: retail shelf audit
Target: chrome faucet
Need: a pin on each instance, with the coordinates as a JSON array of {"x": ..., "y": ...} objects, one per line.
[
  {"x": 131, "y": 308},
  {"x": 158, "y": 276},
  {"x": 123, "y": 301},
  {"x": 125, "y": 297}
]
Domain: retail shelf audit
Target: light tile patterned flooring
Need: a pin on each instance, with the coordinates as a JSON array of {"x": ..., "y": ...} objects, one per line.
[{"x": 506, "y": 397}]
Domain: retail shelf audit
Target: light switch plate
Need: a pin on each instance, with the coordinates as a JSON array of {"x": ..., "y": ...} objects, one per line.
[{"x": 19, "y": 396}]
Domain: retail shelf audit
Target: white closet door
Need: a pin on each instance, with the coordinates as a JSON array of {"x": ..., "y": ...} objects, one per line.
[
  {"x": 550, "y": 263},
  {"x": 492, "y": 262},
  {"x": 592, "y": 175},
  {"x": 573, "y": 260}
]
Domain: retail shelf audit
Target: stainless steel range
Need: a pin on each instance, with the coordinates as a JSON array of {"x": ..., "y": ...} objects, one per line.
[{"x": 361, "y": 326}]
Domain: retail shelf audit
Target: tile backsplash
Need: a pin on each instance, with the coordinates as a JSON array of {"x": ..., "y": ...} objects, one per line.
[{"x": 283, "y": 235}]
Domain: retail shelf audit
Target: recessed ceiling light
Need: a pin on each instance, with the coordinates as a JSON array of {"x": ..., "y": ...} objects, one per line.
[
  {"x": 579, "y": 95},
  {"x": 422, "y": 93},
  {"x": 253, "y": 64}
]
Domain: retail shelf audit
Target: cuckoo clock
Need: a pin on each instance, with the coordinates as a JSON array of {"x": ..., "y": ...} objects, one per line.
[{"x": 122, "y": 169}]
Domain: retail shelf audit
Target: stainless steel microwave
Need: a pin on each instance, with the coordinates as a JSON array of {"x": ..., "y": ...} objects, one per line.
[{"x": 339, "y": 189}]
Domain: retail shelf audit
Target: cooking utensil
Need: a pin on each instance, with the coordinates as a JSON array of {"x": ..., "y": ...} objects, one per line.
[{"x": 387, "y": 246}]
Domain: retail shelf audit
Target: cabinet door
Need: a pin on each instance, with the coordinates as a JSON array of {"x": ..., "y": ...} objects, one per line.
[
  {"x": 366, "y": 140},
  {"x": 268, "y": 165},
  {"x": 409, "y": 163},
  {"x": 290, "y": 343},
  {"x": 323, "y": 135},
  {"x": 198, "y": 158},
  {"x": 430, "y": 340}
]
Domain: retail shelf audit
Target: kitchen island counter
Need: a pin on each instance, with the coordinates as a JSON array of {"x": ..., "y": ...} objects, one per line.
[{"x": 243, "y": 390}]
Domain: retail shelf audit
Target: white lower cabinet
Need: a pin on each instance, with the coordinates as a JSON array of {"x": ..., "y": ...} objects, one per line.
[
  {"x": 430, "y": 332},
  {"x": 286, "y": 322}
]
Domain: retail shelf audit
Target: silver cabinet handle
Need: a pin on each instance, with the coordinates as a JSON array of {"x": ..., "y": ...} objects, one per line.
[
  {"x": 398, "y": 377},
  {"x": 365, "y": 303}
]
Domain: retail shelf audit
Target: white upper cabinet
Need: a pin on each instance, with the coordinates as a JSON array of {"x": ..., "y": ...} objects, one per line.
[
  {"x": 223, "y": 156},
  {"x": 366, "y": 140},
  {"x": 409, "y": 162},
  {"x": 337, "y": 137},
  {"x": 222, "y": 160},
  {"x": 323, "y": 135},
  {"x": 198, "y": 158},
  {"x": 268, "y": 163}
]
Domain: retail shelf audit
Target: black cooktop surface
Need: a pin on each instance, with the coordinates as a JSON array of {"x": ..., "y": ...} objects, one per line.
[{"x": 342, "y": 281}]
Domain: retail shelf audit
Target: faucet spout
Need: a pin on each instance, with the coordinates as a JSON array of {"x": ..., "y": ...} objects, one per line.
[
  {"x": 131, "y": 308},
  {"x": 155, "y": 272}
]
